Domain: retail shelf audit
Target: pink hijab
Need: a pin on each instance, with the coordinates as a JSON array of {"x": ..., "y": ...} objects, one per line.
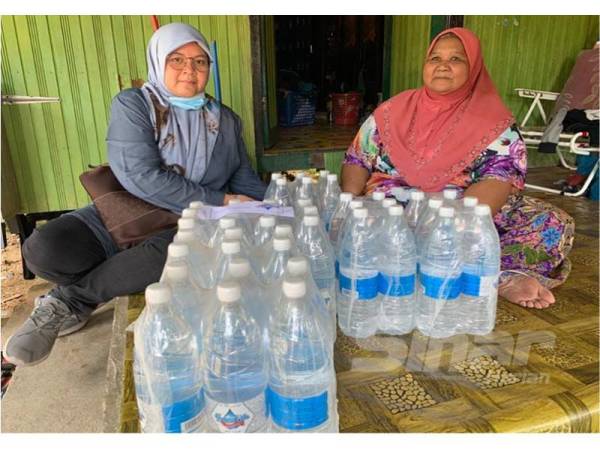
[{"x": 431, "y": 138}]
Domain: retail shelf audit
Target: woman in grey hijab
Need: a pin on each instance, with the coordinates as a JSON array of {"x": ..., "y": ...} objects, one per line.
[{"x": 169, "y": 143}]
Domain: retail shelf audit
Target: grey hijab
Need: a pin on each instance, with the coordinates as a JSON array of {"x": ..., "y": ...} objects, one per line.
[{"x": 187, "y": 139}]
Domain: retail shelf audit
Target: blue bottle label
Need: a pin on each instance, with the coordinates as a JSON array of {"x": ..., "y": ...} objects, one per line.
[
  {"x": 298, "y": 413},
  {"x": 337, "y": 268},
  {"x": 396, "y": 286},
  {"x": 362, "y": 289},
  {"x": 440, "y": 288},
  {"x": 478, "y": 286},
  {"x": 184, "y": 416}
]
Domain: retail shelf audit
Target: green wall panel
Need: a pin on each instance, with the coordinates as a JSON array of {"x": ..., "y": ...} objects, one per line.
[
  {"x": 531, "y": 52},
  {"x": 410, "y": 39},
  {"x": 86, "y": 60}
]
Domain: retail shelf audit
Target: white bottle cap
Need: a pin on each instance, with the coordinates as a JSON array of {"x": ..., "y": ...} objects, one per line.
[
  {"x": 417, "y": 195},
  {"x": 226, "y": 222},
  {"x": 346, "y": 197},
  {"x": 356, "y": 204},
  {"x": 239, "y": 267},
  {"x": 332, "y": 177},
  {"x": 450, "y": 194},
  {"x": 189, "y": 213},
  {"x": 281, "y": 182},
  {"x": 361, "y": 213},
  {"x": 297, "y": 266},
  {"x": 435, "y": 203},
  {"x": 311, "y": 221},
  {"x": 307, "y": 180},
  {"x": 446, "y": 211},
  {"x": 230, "y": 246},
  {"x": 234, "y": 233},
  {"x": 483, "y": 210},
  {"x": 378, "y": 196},
  {"x": 311, "y": 210},
  {"x": 185, "y": 236},
  {"x": 266, "y": 221},
  {"x": 281, "y": 244},
  {"x": 196, "y": 204},
  {"x": 158, "y": 293},
  {"x": 234, "y": 201},
  {"x": 396, "y": 210},
  {"x": 304, "y": 202},
  {"x": 185, "y": 224},
  {"x": 177, "y": 270},
  {"x": 323, "y": 173},
  {"x": 470, "y": 202},
  {"x": 388, "y": 202},
  {"x": 276, "y": 175},
  {"x": 228, "y": 292},
  {"x": 176, "y": 250},
  {"x": 283, "y": 229},
  {"x": 294, "y": 287}
]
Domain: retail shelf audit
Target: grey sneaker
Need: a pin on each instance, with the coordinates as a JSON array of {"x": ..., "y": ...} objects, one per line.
[
  {"x": 72, "y": 324},
  {"x": 33, "y": 341}
]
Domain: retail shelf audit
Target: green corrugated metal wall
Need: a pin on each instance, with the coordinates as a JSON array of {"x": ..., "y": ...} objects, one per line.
[
  {"x": 86, "y": 60},
  {"x": 410, "y": 38},
  {"x": 531, "y": 51}
]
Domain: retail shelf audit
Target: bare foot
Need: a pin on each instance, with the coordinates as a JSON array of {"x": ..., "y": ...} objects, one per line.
[{"x": 526, "y": 291}]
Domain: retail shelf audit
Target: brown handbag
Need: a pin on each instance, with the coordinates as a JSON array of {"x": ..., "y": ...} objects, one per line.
[{"x": 128, "y": 219}]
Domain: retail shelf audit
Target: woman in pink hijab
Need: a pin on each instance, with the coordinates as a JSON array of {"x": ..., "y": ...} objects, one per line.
[{"x": 455, "y": 131}]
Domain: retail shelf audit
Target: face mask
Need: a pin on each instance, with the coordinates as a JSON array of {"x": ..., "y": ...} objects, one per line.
[{"x": 188, "y": 103}]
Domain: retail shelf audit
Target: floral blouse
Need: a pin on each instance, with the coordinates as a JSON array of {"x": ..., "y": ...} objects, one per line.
[{"x": 505, "y": 159}]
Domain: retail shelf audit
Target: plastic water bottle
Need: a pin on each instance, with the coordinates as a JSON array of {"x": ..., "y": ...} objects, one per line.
[
  {"x": 300, "y": 227},
  {"x": 481, "y": 270},
  {"x": 440, "y": 278},
  {"x": 176, "y": 252},
  {"x": 297, "y": 184},
  {"x": 167, "y": 368},
  {"x": 192, "y": 303},
  {"x": 450, "y": 196},
  {"x": 256, "y": 300},
  {"x": 427, "y": 220},
  {"x": 308, "y": 190},
  {"x": 235, "y": 367},
  {"x": 265, "y": 227},
  {"x": 299, "y": 206},
  {"x": 275, "y": 267},
  {"x": 358, "y": 304},
  {"x": 270, "y": 192},
  {"x": 222, "y": 225},
  {"x": 397, "y": 274},
  {"x": 229, "y": 250},
  {"x": 200, "y": 258},
  {"x": 329, "y": 199},
  {"x": 415, "y": 208},
  {"x": 298, "y": 266},
  {"x": 466, "y": 213},
  {"x": 203, "y": 228},
  {"x": 301, "y": 391},
  {"x": 236, "y": 233},
  {"x": 337, "y": 217},
  {"x": 282, "y": 196},
  {"x": 316, "y": 247},
  {"x": 322, "y": 183},
  {"x": 344, "y": 227}
]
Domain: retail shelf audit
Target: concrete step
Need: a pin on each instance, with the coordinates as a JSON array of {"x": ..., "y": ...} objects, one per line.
[{"x": 66, "y": 392}]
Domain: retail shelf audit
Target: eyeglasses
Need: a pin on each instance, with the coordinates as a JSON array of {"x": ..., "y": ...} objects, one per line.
[{"x": 199, "y": 63}]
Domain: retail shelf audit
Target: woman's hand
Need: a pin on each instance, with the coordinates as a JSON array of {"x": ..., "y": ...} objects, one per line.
[{"x": 240, "y": 197}]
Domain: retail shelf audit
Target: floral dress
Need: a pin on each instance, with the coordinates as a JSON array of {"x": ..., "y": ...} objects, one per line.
[{"x": 535, "y": 236}]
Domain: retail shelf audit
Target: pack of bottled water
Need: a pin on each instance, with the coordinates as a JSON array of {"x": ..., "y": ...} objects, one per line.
[
  {"x": 433, "y": 265},
  {"x": 238, "y": 334}
]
